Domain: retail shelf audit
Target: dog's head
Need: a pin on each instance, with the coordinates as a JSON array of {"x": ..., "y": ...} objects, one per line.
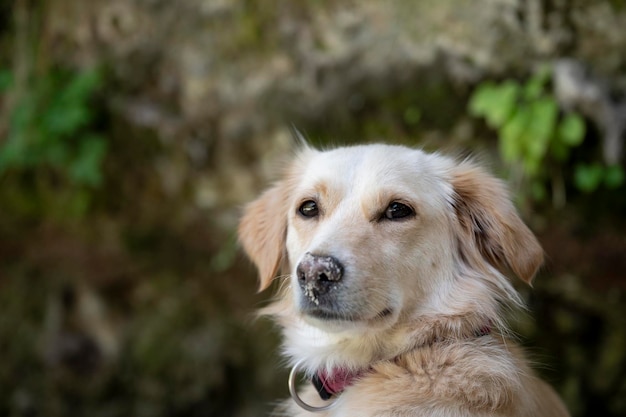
[{"x": 376, "y": 235}]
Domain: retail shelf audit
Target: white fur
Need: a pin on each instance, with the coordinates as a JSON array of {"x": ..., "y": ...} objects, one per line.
[{"x": 415, "y": 291}]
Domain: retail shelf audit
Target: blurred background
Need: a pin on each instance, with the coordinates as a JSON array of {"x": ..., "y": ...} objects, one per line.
[{"x": 133, "y": 131}]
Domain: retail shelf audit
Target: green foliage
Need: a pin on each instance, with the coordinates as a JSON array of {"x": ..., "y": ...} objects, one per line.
[
  {"x": 535, "y": 135},
  {"x": 6, "y": 80},
  {"x": 527, "y": 118},
  {"x": 51, "y": 158},
  {"x": 412, "y": 115},
  {"x": 50, "y": 127},
  {"x": 589, "y": 177}
]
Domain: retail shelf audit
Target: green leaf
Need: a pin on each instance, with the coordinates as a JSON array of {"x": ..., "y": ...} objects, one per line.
[
  {"x": 559, "y": 150},
  {"x": 80, "y": 87},
  {"x": 64, "y": 120},
  {"x": 538, "y": 191},
  {"x": 543, "y": 120},
  {"x": 495, "y": 102},
  {"x": 511, "y": 148},
  {"x": 535, "y": 86},
  {"x": 532, "y": 166},
  {"x": 6, "y": 80},
  {"x": 57, "y": 154},
  {"x": 503, "y": 104},
  {"x": 481, "y": 99},
  {"x": 571, "y": 130},
  {"x": 86, "y": 166},
  {"x": 24, "y": 115},
  {"x": 535, "y": 138},
  {"x": 588, "y": 177},
  {"x": 11, "y": 153},
  {"x": 614, "y": 176}
]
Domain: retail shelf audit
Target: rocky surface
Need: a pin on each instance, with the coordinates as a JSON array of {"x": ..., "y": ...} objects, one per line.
[{"x": 223, "y": 80}]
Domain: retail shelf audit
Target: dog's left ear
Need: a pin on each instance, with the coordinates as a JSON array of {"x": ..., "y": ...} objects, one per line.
[{"x": 489, "y": 225}]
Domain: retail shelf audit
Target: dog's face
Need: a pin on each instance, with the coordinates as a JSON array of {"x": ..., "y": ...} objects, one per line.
[
  {"x": 372, "y": 236},
  {"x": 368, "y": 235}
]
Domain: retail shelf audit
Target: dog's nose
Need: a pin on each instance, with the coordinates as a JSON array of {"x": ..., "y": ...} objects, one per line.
[{"x": 317, "y": 273}]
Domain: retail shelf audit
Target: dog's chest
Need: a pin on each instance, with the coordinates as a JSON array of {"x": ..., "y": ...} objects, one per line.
[{"x": 458, "y": 377}]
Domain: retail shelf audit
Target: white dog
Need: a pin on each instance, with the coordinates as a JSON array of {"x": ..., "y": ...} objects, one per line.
[{"x": 393, "y": 285}]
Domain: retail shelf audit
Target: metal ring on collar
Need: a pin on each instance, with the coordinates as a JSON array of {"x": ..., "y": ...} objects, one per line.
[{"x": 296, "y": 397}]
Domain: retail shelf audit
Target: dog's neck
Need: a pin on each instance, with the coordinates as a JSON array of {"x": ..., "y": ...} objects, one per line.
[
  {"x": 436, "y": 329},
  {"x": 332, "y": 380}
]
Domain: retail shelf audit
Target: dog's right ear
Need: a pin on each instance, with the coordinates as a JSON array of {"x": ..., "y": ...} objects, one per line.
[
  {"x": 263, "y": 229},
  {"x": 263, "y": 226}
]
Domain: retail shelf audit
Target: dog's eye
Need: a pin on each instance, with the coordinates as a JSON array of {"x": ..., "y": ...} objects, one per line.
[
  {"x": 309, "y": 209},
  {"x": 397, "y": 211}
]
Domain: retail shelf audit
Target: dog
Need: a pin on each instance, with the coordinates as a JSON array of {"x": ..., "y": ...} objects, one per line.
[{"x": 393, "y": 265}]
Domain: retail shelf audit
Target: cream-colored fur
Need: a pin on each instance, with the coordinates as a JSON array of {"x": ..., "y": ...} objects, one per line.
[{"x": 414, "y": 290}]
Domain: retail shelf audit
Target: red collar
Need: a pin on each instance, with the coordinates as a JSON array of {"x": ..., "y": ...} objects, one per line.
[{"x": 329, "y": 384}]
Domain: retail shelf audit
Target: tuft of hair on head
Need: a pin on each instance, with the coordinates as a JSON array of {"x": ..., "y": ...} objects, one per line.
[{"x": 298, "y": 138}]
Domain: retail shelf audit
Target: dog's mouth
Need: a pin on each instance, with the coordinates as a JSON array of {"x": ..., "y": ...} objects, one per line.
[{"x": 335, "y": 316}]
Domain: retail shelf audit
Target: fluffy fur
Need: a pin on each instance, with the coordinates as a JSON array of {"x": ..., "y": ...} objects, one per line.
[{"x": 414, "y": 290}]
